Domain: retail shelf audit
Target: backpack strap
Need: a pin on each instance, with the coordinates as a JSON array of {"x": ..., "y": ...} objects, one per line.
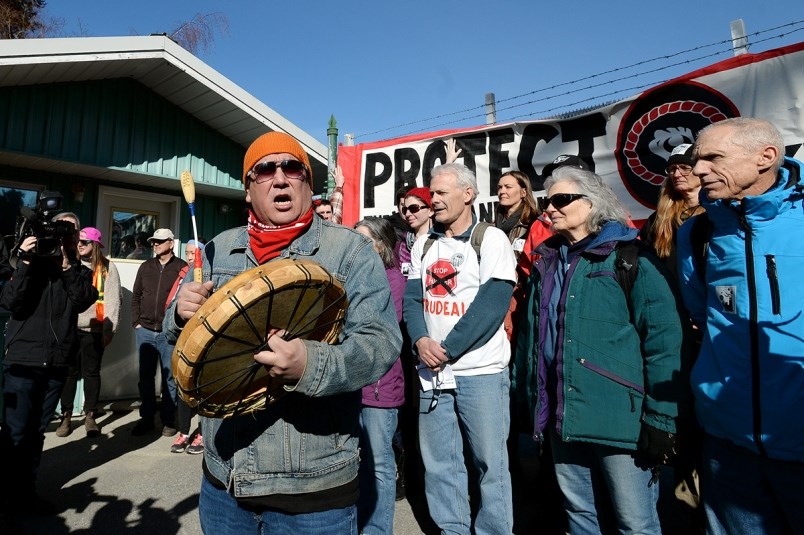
[
  {"x": 475, "y": 239},
  {"x": 427, "y": 244},
  {"x": 626, "y": 264}
]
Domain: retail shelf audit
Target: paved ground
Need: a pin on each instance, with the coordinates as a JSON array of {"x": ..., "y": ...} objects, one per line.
[{"x": 119, "y": 484}]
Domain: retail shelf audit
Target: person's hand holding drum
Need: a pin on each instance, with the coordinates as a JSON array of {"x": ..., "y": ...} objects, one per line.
[
  {"x": 284, "y": 359},
  {"x": 191, "y": 296}
]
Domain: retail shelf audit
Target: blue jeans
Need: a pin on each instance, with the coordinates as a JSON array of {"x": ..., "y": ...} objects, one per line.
[
  {"x": 219, "y": 513},
  {"x": 375, "y": 508},
  {"x": 480, "y": 408},
  {"x": 586, "y": 472},
  {"x": 30, "y": 394},
  {"x": 745, "y": 493},
  {"x": 155, "y": 352}
]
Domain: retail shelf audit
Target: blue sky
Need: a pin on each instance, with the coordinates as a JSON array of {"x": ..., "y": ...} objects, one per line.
[{"x": 379, "y": 64}]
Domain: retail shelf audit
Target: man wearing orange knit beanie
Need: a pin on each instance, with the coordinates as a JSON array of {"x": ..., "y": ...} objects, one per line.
[{"x": 293, "y": 466}]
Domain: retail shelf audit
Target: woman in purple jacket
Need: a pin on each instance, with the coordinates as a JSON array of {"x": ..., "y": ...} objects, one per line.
[{"x": 381, "y": 401}]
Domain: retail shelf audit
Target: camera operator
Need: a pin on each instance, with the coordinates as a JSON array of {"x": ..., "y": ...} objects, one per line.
[{"x": 46, "y": 293}]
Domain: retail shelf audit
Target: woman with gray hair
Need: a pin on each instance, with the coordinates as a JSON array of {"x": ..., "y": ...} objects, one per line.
[
  {"x": 598, "y": 362},
  {"x": 381, "y": 401}
]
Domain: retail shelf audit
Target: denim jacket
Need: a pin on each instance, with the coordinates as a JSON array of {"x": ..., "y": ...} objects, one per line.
[{"x": 307, "y": 441}]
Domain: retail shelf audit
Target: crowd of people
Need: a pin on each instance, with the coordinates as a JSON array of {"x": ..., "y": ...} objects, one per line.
[
  {"x": 64, "y": 312},
  {"x": 625, "y": 354}
]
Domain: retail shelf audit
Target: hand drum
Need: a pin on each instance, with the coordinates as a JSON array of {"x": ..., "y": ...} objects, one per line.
[{"x": 213, "y": 362}]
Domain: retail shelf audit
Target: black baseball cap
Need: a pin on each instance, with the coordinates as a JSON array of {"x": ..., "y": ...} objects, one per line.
[{"x": 565, "y": 160}]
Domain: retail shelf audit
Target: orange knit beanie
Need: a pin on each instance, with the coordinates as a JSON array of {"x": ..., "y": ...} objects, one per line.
[{"x": 275, "y": 143}]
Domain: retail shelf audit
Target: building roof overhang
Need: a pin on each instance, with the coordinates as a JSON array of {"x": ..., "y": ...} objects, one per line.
[{"x": 164, "y": 67}]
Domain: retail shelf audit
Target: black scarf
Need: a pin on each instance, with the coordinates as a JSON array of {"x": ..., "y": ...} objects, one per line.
[{"x": 507, "y": 224}]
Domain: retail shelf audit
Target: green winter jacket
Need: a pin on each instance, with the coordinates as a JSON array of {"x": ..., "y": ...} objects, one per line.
[{"x": 615, "y": 365}]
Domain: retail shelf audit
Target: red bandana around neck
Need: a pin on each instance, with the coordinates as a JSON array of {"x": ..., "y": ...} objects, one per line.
[{"x": 267, "y": 241}]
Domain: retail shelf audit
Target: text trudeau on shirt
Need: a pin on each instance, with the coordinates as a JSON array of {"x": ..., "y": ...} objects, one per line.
[{"x": 445, "y": 308}]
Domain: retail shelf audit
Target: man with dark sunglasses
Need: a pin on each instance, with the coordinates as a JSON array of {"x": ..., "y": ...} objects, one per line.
[
  {"x": 293, "y": 466},
  {"x": 155, "y": 278},
  {"x": 455, "y": 302}
]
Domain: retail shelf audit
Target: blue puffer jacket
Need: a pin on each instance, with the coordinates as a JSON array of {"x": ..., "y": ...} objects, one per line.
[
  {"x": 748, "y": 380},
  {"x": 308, "y": 440},
  {"x": 612, "y": 371}
]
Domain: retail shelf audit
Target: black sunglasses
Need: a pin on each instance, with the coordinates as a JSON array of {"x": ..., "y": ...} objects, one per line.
[
  {"x": 84, "y": 242},
  {"x": 265, "y": 171},
  {"x": 559, "y": 200},
  {"x": 157, "y": 242},
  {"x": 413, "y": 208}
]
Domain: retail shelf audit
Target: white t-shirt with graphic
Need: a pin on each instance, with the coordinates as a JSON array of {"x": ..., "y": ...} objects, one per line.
[{"x": 450, "y": 278}]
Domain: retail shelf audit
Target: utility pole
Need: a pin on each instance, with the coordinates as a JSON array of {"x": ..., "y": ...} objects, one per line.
[
  {"x": 332, "y": 160},
  {"x": 739, "y": 40},
  {"x": 491, "y": 109}
]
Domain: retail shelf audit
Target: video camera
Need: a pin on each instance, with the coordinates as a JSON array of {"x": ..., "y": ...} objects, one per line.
[{"x": 38, "y": 222}]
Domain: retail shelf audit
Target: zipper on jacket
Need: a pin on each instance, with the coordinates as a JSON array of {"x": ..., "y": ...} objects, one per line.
[
  {"x": 614, "y": 377},
  {"x": 773, "y": 278},
  {"x": 753, "y": 330}
]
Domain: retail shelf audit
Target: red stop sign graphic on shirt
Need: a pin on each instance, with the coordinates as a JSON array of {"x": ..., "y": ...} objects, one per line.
[{"x": 441, "y": 279}]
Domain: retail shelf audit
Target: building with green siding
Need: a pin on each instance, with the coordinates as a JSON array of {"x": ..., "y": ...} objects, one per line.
[{"x": 111, "y": 123}]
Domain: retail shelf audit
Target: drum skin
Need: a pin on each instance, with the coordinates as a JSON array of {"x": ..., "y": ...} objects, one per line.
[{"x": 213, "y": 362}]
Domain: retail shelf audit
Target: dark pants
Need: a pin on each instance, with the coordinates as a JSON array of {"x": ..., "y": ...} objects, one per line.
[
  {"x": 30, "y": 396},
  {"x": 88, "y": 366},
  {"x": 745, "y": 493}
]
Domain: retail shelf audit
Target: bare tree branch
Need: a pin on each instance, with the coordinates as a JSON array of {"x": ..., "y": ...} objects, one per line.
[
  {"x": 20, "y": 18},
  {"x": 198, "y": 34}
]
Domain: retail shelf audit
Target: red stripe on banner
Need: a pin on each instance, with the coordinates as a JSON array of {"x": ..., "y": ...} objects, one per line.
[
  {"x": 737, "y": 61},
  {"x": 350, "y": 159}
]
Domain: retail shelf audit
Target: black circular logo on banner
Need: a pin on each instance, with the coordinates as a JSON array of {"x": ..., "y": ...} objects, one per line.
[{"x": 656, "y": 123}]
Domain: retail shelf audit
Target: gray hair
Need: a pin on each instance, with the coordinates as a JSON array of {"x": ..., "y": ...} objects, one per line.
[
  {"x": 752, "y": 134},
  {"x": 605, "y": 205},
  {"x": 62, "y": 215},
  {"x": 465, "y": 177},
  {"x": 383, "y": 235},
  {"x": 71, "y": 215}
]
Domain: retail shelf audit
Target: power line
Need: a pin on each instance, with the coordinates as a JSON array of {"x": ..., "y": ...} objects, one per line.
[
  {"x": 592, "y": 98},
  {"x": 677, "y": 64},
  {"x": 592, "y": 86}
]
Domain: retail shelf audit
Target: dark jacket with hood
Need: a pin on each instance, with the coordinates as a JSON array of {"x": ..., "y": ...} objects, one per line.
[{"x": 44, "y": 302}]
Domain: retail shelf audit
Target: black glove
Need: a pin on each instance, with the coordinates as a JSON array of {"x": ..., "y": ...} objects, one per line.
[{"x": 655, "y": 446}]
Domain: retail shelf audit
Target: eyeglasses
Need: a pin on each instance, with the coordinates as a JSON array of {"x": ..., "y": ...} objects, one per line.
[
  {"x": 157, "y": 242},
  {"x": 685, "y": 170},
  {"x": 85, "y": 242},
  {"x": 265, "y": 171},
  {"x": 413, "y": 208},
  {"x": 559, "y": 200}
]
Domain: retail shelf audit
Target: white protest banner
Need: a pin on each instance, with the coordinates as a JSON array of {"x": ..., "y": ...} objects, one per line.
[{"x": 626, "y": 143}]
